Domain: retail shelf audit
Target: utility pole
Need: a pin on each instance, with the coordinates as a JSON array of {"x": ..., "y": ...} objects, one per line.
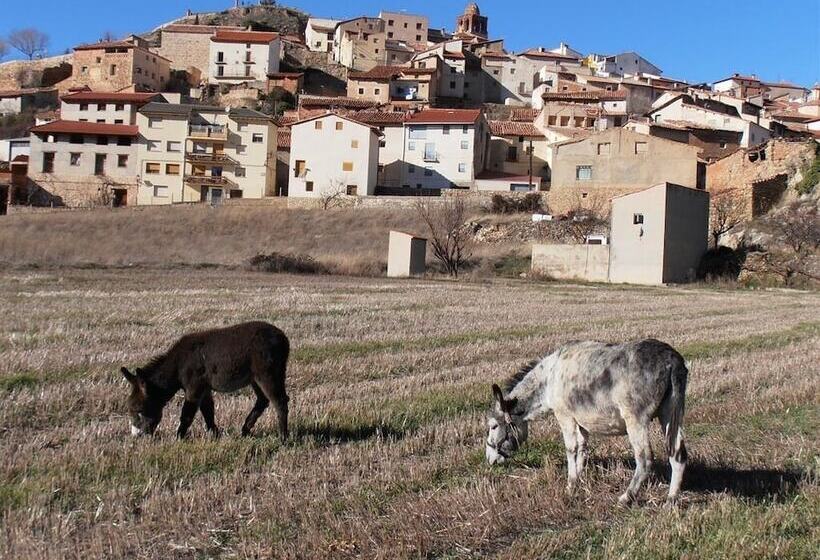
[{"x": 529, "y": 151}]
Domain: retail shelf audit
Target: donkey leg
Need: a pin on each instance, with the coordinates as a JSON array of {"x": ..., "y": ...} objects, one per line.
[
  {"x": 638, "y": 433},
  {"x": 677, "y": 458},
  {"x": 261, "y": 405},
  {"x": 186, "y": 417},
  {"x": 583, "y": 451},
  {"x": 569, "y": 429},
  {"x": 206, "y": 407}
]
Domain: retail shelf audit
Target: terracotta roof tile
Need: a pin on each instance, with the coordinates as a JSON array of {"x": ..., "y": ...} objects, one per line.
[
  {"x": 525, "y": 114},
  {"x": 331, "y": 101},
  {"x": 379, "y": 117},
  {"x": 256, "y": 37},
  {"x": 512, "y": 128},
  {"x": 283, "y": 138},
  {"x": 79, "y": 127},
  {"x": 445, "y": 116}
]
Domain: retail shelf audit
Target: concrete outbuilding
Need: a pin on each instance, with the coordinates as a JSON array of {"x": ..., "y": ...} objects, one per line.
[{"x": 406, "y": 255}]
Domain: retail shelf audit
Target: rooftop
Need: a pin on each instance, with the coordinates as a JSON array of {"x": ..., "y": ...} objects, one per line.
[
  {"x": 255, "y": 37},
  {"x": 79, "y": 127},
  {"x": 445, "y": 116},
  {"x": 122, "y": 97},
  {"x": 585, "y": 95},
  {"x": 511, "y": 128},
  {"x": 331, "y": 101},
  {"x": 192, "y": 28}
]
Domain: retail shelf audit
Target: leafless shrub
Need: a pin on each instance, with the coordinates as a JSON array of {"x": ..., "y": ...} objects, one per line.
[
  {"x": 793, "y": 253},
  {"x": 446, "y": 220},
  {"x": 31, "y": 42},
  {"x": 727, "y": 213},
  {"x": 335, "y": 196},
  {"x": 286, "y": 262},
  {"x": 509, "y": 204},
  {"x": 587, "y": 216}
]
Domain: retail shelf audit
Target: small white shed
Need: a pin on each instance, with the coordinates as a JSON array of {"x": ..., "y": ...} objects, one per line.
[{"x": 406, "y": 255}]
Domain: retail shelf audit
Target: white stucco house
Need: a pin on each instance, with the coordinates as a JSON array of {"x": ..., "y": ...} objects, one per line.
[
  {"x": 331, "y": 154},
  {"x": 242, "y": 56},
  {"x": 319, "y": 34}
]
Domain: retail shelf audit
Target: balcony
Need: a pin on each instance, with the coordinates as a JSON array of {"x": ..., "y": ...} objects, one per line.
[
  {"x": 210, "y": 181},
  {"x": 222, "y": 159},
  {"x": 210, "y": 132}
]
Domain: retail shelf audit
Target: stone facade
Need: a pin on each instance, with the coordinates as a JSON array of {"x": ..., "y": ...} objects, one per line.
[
  {"x": 119, "y": 65},
  {"x": 187, "y": 46}
]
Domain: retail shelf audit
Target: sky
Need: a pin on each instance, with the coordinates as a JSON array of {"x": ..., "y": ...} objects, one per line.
[{"x": 694, "y": 40}]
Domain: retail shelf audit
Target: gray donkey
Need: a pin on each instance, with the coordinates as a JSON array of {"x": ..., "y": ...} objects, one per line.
[{"x": 597, "y": 388}]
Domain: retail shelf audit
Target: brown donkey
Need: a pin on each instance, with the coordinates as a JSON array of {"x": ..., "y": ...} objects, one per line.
[{"x": 221, "y": 360}]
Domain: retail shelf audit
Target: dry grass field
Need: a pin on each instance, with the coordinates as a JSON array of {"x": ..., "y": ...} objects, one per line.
[{"x": 389, "y": 381}]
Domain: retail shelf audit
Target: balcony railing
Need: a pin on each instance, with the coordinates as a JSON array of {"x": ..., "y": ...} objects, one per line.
[
  {"x": 217, "y": 132},
  {"x": 210, "y": 158},
  {"x": 210, "y": 181}
]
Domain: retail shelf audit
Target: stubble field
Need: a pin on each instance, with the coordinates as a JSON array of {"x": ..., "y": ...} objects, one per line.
[{"x": 389, "y": 381}]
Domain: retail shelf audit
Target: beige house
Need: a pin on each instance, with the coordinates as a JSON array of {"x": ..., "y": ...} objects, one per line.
[
  {"x": 333, "y": 154},
  {"x": 242, "y": 56},
  {"x": 120, "y": 65},
  {"x": 399, "y": 85},
  {"x": 401, "y": 26},
  {"x": 591, "y": 170},
  {"x": 188, "y": 46},
  {"x": 509, "y": 165},
  {"x": 80, "y": 164},
  {"x": 201, "y": 153},
  {"x": 658, "y": 235},
  {"x": 444, "y": 148},
  {"x": 359, "y": 43},
  {"x": 319, "y": 34}
]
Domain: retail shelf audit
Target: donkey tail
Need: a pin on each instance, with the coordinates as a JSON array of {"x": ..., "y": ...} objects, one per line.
[{"x": 677, "y": 395}]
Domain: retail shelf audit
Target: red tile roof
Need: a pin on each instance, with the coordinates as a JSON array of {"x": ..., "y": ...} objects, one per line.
[
  {"x": 379, "y": 117},
  {"x": 511, "y": 128},
  {"x": 283, "y": 139},
  {"x": 388, "y": 72},
  {"x": 584, "y": 95},
  {"x": 525, "y": 114},
  {"x": 449, "y": 54},
  {"x": 79, "y": 127},
  {"x": 256, "y": 37},
  {"x": 332, "y": 101},
  {"x": 445, "y": 116},
  {"x": 113, "y": 97}
]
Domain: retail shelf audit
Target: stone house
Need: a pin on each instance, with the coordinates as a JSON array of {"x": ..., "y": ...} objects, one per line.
[
  {"x": 202, "y": 153},
  {"x": 444, "y": 148},
  {"x": 333, "y": 155},
  {"x": 359, "y": 43},
  {"x": 76, "y": 164},
  {"x": 120, "y": 65},
  {"x": 292, "y": 82},
  {"x": 243, "y": 56},
  {"x": 588, "y": 171},
  {"x": 404, "y": 27},
  {"x": 739, "y": 86},
  {"x": 188, "y": 47}
]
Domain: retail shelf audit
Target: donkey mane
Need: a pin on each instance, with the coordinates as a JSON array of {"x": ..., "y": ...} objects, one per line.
[{"x": 519, "y": 375}]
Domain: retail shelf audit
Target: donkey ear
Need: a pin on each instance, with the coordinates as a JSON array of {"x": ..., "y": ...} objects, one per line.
[
  {"x": 499, "y": 396},
  {"x": 129, "y": 376},
  {"x": 509, "y": 405}
]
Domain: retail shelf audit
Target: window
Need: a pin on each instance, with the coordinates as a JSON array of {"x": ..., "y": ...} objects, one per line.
[
  {"x": 347, "y": 166},
  {"x": 308, "y": 186},
  {"x": 101, "y": 120},
  {"x": 139, "y": 70},
  {"x": 495, "y": 72},
  {"x": 153, "y": 145},
  {"x": 119, "y": 107},
  {"x": 160, "y": 191},
  {"x": 452, "y": 84},
  {"x": 603, "y": 148},
  {"x": 430, "y": 151},
  {"x": 220, "y": 70},
  {"x": 299, "y": 169},
  {"x": 75, "y": 159},
  {"x": 512, "y": 71},
  {"x": 637, "y": 219},
  {"x": 84, "y": 70},
  {"x": 418, "y": 37},
  {"x": 317, "y": 125},
  {"x": 122, "y": 160},
  {"x": 152, "y": 168},
  {"x": 83, "y": 106},
  {"x": 257, "y": 138},
  {"x": 102, "y": 140},
  {"x": 723, "y": 145},
  {"x": 76, "y": 139},
  {"x": 640, "y": 147},
  {"x": 418, "y": 26},
  {"x": 101, "y": 106},
  {"x": 240, "y": 149},
  {"x": 154, "y": 122},
  {"x": 339, "y": 125},
  {"x": 465, "y": 129},
  {"x": 48, "y": 162},
  {"x": 354, "y": 143},
  {"x": 411, "y": 146},
  {"x": 247, "y": 70},
  {"x": 118, "y": 121},
  {"x": 376, "y": 91},
  {"x": 239, "y": 172},
  {"x": 361, "y": 91},
  {"x": 389, "y": 34},
  {"x": 411, "y": 168},
  {"x": 405, "y": 25},
  {"x": 583, "y": 172},
  {"x": 512, "y": 153},
  {"x": 174, "y": 146},
  {"x": 462, "y": 167},
  {"x": 428, "y": 172},
  {"x": 564, "y": 121},
  {"x": 113, "y": 70},
  {"x": 123, "y": 140},
  {"x": 352, "y": 190},
  {"x": 220, "y": 56},
  {"x": 551, "y": 120},
  {"x": 465, "y": 145},
  {"x": 445, "y": 129},
  {"x": 418, "y": 133},
  {"x": 390, "y": 22},
  {"x": 172, "y": 169}
]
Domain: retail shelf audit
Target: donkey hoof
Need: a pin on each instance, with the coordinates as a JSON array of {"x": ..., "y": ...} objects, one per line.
[
  {"x": 671, "y": 504},
  {"x": 624, "y": 500}
]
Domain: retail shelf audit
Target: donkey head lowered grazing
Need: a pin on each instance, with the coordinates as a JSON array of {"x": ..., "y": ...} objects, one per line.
[
  {"x": 145, "y": 409},
  {"x": 597, "y": 388}
]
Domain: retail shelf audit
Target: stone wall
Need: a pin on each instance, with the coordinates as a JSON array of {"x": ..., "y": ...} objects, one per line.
[
  {"x": 186, "y": 50},
  {"x": 77, "y": 191},
  {"x": 562, "y": 199},
  {"x": 17, "y": 74}
]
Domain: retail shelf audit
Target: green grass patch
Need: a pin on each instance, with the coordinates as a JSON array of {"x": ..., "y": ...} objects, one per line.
[{"x": 765, "y": 341}]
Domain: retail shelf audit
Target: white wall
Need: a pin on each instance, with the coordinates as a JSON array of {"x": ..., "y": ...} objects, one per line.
[
  {"x": 92, "y": 112},
  {"x": 265, "y": 59},
  {"x": 449, "y": 154}
]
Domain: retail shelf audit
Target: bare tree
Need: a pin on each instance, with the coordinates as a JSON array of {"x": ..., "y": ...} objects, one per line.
[
  {"x": 587, "y": 216},
  {"x": 334, "y": 196},
  {"x": 4, "y": 49},
  {"x": 108, "y": 36},
  {"x": 31, "y": 42},
  {"x": 446, "y": 221},
  {"x": 727, "y": 213},
  {"x": 797, "y": 232}
]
